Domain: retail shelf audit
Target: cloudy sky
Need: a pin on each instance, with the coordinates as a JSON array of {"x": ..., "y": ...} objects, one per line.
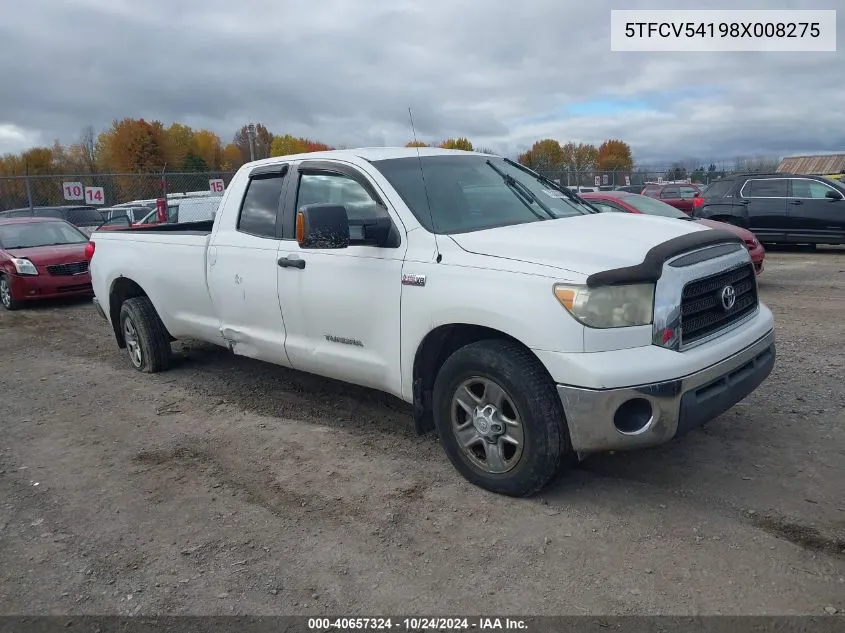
[{"x": 501, "y": 72}]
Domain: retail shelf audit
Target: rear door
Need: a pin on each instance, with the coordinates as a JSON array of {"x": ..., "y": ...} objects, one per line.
[
  {"x": 241, "y": 266},
  {"x": 687, "y": 198},
  {"x": 765, "y": 203},
  {"x": 812, "y": 216},
  {"x": 671, "y": 194}
]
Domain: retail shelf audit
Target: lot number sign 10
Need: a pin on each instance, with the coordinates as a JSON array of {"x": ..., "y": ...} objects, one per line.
[
  {"x": 216, "y": 185},
  {"x": 76, "y": 191}
]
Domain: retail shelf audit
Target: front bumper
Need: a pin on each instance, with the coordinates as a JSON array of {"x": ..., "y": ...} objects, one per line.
[
  {"x": 25, "y": 287},
  {"x": 656, "y": 413}
]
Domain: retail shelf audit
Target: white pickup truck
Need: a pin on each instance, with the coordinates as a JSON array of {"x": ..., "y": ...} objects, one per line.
[{"x": 523, "y": 325}]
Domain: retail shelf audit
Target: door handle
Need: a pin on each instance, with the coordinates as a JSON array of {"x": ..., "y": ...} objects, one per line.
[
  {"x": 796, "y": 202},
  {"x": 287, "y": 262}
]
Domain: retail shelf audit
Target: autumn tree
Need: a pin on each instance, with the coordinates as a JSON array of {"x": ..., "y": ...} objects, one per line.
[
  {"x": 231, "y": 158},
  {"x": 544, "y": 155},
  {"x": 80, "y": 157},
  {"x": 287, "y": 145},
  {"x": 416, "y": 144},
  {"x": 134, "y": 145},
  {"x": 457, "y": 143},
  {"x": 585, "y": 157},
  {"x": 263, "y": 142},
  {"x": 209, "y": 148},
  {"x": 615, "y": 155},
  {"x": 181, "y": 145}
]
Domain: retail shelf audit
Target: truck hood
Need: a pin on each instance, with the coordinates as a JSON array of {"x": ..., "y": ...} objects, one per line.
[{"x": 584, "y": 244}]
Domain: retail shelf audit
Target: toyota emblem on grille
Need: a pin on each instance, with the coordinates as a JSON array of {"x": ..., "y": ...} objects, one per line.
[{"x": 728, "y": 297}]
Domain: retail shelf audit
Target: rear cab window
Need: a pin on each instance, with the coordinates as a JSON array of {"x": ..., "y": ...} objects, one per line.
[
  {"x": 671, "y": 191},
  {"x": 260, "y": 206}
]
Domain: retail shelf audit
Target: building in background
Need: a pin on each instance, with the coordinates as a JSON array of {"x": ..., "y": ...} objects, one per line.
[{"x": 828, "y": 165}]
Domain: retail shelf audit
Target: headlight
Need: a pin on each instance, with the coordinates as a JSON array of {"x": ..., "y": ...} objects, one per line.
[
  {"x": 608, "y": 306},
  {"x": 24, "y": 266}
]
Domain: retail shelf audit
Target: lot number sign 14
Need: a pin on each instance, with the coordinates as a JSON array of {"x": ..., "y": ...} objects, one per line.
[
  {"x": 76, "y": 191},
  {"x": 217, "y": 185}
]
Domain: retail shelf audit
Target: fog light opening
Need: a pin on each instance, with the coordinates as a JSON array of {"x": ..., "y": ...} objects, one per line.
[{"x": 633, "y": 416}]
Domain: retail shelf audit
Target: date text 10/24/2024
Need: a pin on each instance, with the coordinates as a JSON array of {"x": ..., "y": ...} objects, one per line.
[
  {"x": 789, "y": 30},
  {"x": 417, "y": 624}
]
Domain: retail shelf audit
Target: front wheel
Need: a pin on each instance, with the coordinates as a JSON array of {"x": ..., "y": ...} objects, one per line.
[
  {"x": 146, "y": 338},
  {"x": 499, "y": 418},
  {"x": 6, "y": 298}
]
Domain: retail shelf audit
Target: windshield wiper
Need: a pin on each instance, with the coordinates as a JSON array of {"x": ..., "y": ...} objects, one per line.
[
  {"x": 525, "y": 192},
  {"x": 553, "y": 184}
]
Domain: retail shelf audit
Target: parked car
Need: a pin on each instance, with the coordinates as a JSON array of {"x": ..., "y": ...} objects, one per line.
[
  {"x": 635, "y": 203},
  {"x": 351, "y": 265},
  {"x": 779, "y": 208},
  {"x": 685, "y": 197},
  {"x": 85, "y": 218},
  {"x": 132, "y": 213},
  {"x": 630, "y": 188},
  {"x": 41, "y": 258}
]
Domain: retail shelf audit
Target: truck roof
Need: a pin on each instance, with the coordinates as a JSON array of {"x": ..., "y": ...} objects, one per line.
[{"x": 369, "y": 154}]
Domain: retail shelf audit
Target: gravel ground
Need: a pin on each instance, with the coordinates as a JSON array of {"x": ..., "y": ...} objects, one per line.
[{"x": 230, "y": 486}]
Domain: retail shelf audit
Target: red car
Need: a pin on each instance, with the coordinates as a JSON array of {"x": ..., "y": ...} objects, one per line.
[
  {"x": 685, "y": 197},
  {"x": 41, "y": 258},
  {"x": 635, "y": 203}
]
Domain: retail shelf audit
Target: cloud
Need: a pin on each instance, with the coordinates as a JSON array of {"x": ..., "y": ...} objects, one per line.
[
  {"x": 503, "y": 73},
  {"x": 14, "y": 139}
]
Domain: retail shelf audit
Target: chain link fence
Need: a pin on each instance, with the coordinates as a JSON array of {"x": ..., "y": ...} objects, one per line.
[
  {"x": 110, "y": 189},
  {"x": 103, "y": 190},
  {"x": 611, "y": 179}
]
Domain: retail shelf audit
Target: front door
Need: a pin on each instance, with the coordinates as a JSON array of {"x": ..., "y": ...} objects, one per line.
[
  {"x": 242, "y": 266},
  {"x": 342, "y": 307},
  {"x": 813, "y": 216},
  {"x": 765, "y": 201}
]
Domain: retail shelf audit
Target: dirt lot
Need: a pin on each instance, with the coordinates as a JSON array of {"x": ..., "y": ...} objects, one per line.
[{"x": 230, "y": 486}]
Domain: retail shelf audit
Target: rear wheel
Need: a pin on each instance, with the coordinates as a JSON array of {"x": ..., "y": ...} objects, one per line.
[
  {"x": 147, "y": 340},
  {"x": 500, "y": 419},
  {"x": 6, "y": 298}
]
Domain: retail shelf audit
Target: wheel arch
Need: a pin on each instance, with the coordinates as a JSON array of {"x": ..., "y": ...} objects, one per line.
[
  {"x": 432, "y": 352},
  {"x": 121, "y": 289}
]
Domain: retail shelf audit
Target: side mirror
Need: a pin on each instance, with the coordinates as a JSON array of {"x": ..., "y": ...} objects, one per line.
[
  {"x": 322, "y": 226},
  {"x": 833, "y": 195},
  {"x": 697, "y": 194}
]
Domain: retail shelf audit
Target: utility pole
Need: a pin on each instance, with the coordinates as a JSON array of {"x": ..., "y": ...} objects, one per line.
[{"x": 251, "y": 134}]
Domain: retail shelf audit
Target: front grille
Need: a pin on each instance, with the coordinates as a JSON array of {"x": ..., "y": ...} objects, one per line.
[
  {"x": 702, "y": 310},
  {"x": 66, "y": 270}
]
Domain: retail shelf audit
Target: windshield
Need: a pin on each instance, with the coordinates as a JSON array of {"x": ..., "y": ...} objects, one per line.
[
  {"x": 651, "y": 206},
  {"x": 461, "y": 193},
  {"x": 33, "y": 234}
]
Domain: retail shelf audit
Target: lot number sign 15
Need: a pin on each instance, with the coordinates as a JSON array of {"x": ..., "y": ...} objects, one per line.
[
  {"x": 76, "y": 191},
  {"x": 217, "y": 185}
]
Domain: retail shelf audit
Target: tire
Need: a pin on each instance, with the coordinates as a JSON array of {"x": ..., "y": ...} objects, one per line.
[
  {"x": 147, "y": 340},
  {"x": 516, "y": 470},
  {"x": 6, "y": 298}
]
